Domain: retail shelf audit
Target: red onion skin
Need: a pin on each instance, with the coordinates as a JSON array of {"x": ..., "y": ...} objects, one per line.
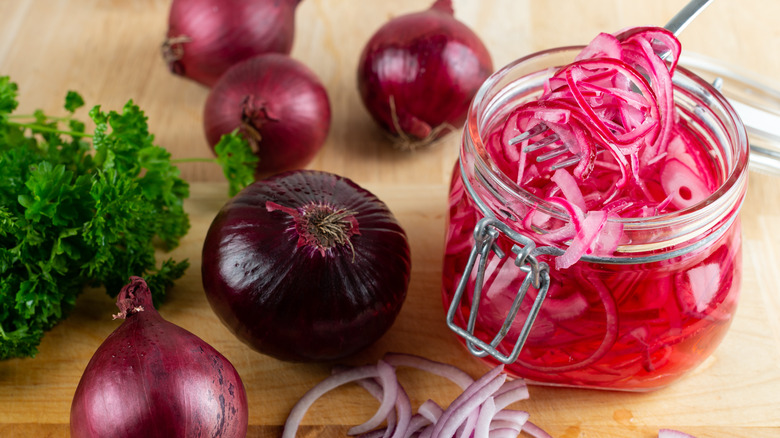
[
  {"x": 206, "y": 37},
  {"x": 430, "y": 64},
  {"x": 151, "y": 378},
  {"x": 278, "y": 104},
  {"x": 301, "y": 303}
]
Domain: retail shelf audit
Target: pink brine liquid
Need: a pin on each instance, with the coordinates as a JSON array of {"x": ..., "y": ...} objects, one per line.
[
  {"x": 643, "y": 222},
  {"x": 617, "y": 326}
]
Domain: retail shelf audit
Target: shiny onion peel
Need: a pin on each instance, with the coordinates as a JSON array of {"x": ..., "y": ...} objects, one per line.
[
  {"x": 275, "y": 102},
  {"x": 306, "y": 266},
  {"x": 151, "y": 378},
  {"x": 206, "y": 37},
  {"x": 418, "y": 73}
]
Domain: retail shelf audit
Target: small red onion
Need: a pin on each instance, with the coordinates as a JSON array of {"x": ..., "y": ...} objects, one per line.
[
  {"x": 206, "y": 37},
  {"x": 419, "y": 72},
  {"x": 306, "y": 266},
  {"x": 151, "y": 378},
  {"x": 277, "y": 104}
]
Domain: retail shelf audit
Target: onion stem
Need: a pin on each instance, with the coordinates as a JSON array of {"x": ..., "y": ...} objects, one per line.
[
  {"x": 172, "y": 50},
  {"x": 331, "y": 226},
  {"x": 405, "y": 141}
]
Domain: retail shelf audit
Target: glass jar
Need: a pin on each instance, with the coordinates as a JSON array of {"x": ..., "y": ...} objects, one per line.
[{"x": 636, "y": 320}]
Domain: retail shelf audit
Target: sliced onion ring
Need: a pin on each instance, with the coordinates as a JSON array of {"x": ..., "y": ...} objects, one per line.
[
  {"x": 381, "y": 370},
  {"x": 480, "y": 411},
  {"x": 469, "y": 411}
]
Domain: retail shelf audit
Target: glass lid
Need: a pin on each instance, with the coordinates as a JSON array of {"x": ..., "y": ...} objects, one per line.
[{"x": 754, "y": 100}]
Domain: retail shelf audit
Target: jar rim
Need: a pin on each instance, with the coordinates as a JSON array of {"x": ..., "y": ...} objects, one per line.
[{"x": 730, "y": 191}]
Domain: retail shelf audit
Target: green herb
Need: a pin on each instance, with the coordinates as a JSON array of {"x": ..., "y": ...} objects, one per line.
[
  {"x": 80, "y": 209},
  {"x": 237, "y": 160}
]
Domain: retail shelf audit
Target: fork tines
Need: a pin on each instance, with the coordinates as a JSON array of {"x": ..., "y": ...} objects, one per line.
[
  {"x": 545, "y": 141},
  {"x": 533, "y": 132}
]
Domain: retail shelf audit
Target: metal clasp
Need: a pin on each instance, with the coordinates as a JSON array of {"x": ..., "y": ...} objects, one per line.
[{"x": 537, "y": 275}]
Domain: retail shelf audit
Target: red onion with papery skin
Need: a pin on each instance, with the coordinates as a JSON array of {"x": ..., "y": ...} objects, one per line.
[
  {"x": 278, "y": 104},
  {"x": 419, "y": 72},
  {"x": 306, "y": 266},
  {"x": 151, "y": 378},
  {"x": 206, "y": 37}
]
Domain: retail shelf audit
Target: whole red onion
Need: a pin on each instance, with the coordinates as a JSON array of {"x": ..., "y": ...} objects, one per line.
[
  {"x": 419, "y": 72},
  {"x": 278, "y": 104},
  {"x": 306, "y": 266},
  {"x": 151, "y": 378},
  {"x": 206, "y": 37}
]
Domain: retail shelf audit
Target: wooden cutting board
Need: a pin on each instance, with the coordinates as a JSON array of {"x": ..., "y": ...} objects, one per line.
[
  {"x": 109, "y": 51},
  {"x": 735, "y": 393}
]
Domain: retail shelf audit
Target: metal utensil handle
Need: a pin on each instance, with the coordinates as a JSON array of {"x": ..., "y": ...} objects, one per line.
[{"x": 681, "y": 20}]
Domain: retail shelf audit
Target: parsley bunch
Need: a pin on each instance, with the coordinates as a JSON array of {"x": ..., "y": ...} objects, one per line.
[{"x": 80, "y": 209}]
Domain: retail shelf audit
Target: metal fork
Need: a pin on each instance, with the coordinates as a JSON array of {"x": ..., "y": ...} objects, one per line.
[{"x": 675, "y": 25}]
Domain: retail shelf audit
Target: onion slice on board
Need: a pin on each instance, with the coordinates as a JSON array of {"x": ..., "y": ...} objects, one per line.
[{"x": 481, "y": 408}]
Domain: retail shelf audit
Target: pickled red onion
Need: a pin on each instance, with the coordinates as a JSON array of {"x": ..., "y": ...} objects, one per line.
[{"x": 613, "y": 108}]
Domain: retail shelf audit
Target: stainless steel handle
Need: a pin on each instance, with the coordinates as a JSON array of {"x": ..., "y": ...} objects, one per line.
[{"x": 681, "y": 20}]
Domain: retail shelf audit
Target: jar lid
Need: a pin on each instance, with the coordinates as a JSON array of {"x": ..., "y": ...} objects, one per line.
[{"x": 756, "y": 103}]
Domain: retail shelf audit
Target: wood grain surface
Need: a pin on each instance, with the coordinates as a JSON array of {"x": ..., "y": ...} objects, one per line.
[{"x": 108, "y": 50}]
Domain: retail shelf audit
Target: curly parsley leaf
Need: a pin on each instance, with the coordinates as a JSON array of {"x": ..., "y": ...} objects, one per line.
[
  {"x": 8, "y": 93},
  {"x": 71, "y": 217},
  {"x": 73, "y": 101},
  {"x": 80, "y": 209},
  {"x": 237, "y": 160}
]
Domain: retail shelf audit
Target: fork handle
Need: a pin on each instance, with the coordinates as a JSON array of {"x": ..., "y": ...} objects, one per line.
[{"x": 686, "y": 15}]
